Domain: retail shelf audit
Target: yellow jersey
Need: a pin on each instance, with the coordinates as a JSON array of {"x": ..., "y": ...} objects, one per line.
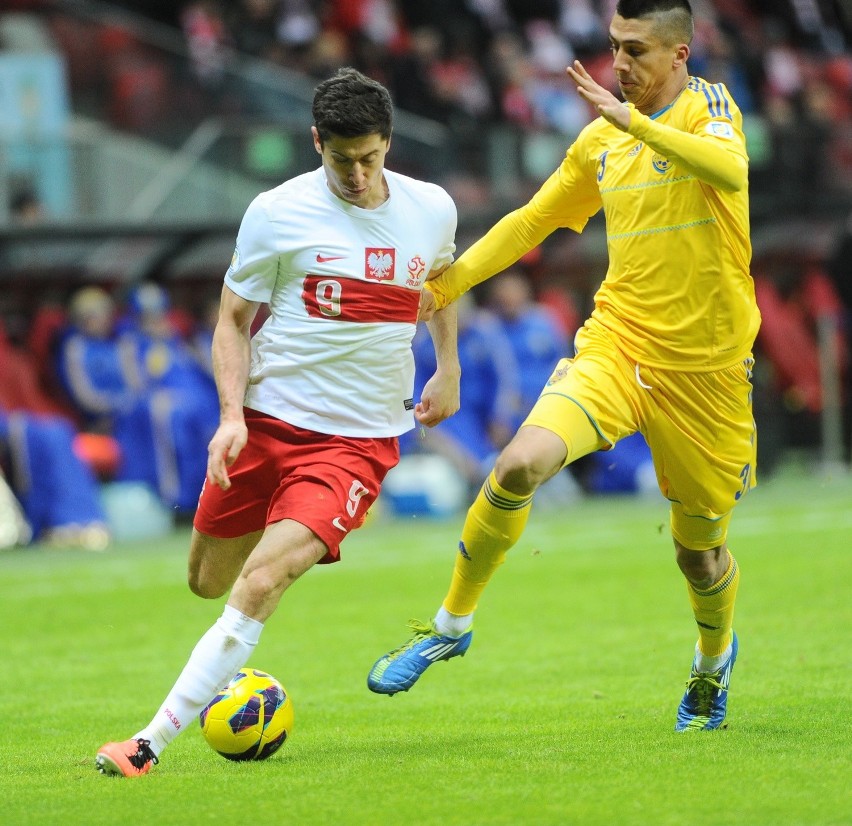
[{"x": 678, "y": 293}]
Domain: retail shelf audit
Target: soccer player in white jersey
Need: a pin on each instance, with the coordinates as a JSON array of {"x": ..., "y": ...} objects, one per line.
[{"x": 312, "y": 405}]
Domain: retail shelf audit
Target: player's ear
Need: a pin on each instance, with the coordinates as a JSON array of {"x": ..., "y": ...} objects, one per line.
[
  {"x": 317, "y": 139},
  {"x": 681, "y": 55}
]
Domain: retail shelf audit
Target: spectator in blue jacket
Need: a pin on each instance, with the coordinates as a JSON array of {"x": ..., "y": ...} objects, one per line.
[{"x": 536, "y": 339}]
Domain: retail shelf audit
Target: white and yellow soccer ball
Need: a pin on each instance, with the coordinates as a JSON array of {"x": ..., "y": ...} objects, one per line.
[{"x": 249, "y": 719}]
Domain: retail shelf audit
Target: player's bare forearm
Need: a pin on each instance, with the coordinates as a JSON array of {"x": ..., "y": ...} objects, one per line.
[
  {"x": 444, "y": 331},
  {"x": 441, "y": 394},
  {"x": 231, "y": 354}
]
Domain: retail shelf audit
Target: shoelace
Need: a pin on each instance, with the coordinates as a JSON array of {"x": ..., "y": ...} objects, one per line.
[
  {"x": 143, "y": 755},
  {"x": 704, "y": 685},
  {"x": 420, "y": 629}
]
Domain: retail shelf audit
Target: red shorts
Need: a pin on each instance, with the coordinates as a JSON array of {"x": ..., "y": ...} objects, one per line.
[{"x": 327, "y": 483}]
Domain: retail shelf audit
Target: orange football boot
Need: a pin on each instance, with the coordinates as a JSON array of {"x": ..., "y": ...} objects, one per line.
[{"x": 129, "y": 759}]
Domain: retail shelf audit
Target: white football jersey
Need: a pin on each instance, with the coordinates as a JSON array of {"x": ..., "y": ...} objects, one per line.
[{"x": 343, "y": 287}]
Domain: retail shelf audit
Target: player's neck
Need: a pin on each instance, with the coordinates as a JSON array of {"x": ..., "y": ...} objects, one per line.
[{"x": 667, "y": 96}]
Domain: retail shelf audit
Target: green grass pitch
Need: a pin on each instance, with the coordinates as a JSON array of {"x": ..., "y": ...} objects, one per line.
[{"x": 562, "y": 712}]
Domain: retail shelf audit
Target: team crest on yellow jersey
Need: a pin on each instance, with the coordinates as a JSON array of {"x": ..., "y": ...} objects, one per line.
[{"x": 661, "y": 164}]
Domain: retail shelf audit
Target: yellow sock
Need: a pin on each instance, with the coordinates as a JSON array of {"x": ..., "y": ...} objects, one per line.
[
  {"x": 714, "y": 611},
  {"x": 494, "y": 523}
]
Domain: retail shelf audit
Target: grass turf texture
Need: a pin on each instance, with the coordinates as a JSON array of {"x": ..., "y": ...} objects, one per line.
[{"x": 561, "y": 713}]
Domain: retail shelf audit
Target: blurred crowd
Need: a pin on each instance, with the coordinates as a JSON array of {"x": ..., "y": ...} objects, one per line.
[
  {"x": 105, "y": 392},
  {"x": 477, "y": 64},
  {"x": 467, "y": 63}
]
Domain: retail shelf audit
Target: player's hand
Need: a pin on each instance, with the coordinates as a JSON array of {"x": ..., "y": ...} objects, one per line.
[
  {"x": 427, "y": 306},
  {"x": 607, "y": 105},
  {"x": 439, "y": 400},
  {"x": 227, "y": 442}
]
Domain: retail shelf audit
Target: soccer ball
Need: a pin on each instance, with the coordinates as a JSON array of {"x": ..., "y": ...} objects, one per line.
[{"x": 250, "y": 718}]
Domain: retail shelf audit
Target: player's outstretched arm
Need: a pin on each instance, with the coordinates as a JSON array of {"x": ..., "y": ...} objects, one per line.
[
  {"x": 511, "y": 237},
  {"x": 231, "y": 358}
]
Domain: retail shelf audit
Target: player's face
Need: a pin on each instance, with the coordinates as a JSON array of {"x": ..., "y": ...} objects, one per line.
[
  {"x": 646, "y": 67},
  {"x": 354, "y": 167}
]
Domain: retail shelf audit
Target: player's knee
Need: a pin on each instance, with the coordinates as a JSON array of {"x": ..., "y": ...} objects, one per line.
[
  {"x": 205, "y": 587},
  {"x": 702, "y": 568},
  {"x": 518, "y": 471},
  {"x": 268, "y": 580}
]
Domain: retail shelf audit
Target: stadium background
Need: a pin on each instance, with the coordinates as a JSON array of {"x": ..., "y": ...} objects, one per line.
[{"x": 134, "y": 134}]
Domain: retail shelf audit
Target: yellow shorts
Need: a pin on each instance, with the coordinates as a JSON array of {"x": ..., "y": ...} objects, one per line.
[{"x": 699, "y": 427}]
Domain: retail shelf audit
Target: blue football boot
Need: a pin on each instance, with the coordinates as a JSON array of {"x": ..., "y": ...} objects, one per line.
[
  {"x": 401, "y": 668},
  {"x": 705, "y": 702}
]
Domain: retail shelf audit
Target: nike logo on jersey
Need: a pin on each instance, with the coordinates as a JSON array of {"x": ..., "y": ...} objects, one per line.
[
  {"x": 338, "y": 524},
  {"x": 324, "y": 259}
]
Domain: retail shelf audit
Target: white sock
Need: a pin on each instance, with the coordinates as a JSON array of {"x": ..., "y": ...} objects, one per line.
[
  {"x": 214, "y": 661},
  {"x": 706, "y": 664},
  {"x": 453, "y": 625}
]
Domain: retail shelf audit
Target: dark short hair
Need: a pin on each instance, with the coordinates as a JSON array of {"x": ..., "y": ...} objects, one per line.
[
  {"x": 678, "y": 25},
  {"x": 350, "y": 104},
  {"x": 639, "y": 8}
]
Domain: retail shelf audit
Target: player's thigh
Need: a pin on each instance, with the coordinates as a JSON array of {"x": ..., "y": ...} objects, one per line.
[
  {"x": 215, "y": 563},
  {"x": 705, "y": 448},
  {"x": 590, "y": 401}
]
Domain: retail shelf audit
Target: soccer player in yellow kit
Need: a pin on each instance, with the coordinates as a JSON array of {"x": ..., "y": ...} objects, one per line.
[{"x": 666, "y": 351}]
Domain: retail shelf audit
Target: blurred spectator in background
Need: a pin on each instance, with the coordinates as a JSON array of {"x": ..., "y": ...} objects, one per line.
[
  {"x": 536, "y": 339},
  {"x": 180, "y": 395},
  {"x": 165, "y": 358},
  {"x": 202, "y": 336},
  {"x": 794, "y": 301},
  {"x": 57, "y": 490},
  {"x": 490, "y": 397},
  {"x": 206, "y": 38},
  {"x": 142, "y": 385}
]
